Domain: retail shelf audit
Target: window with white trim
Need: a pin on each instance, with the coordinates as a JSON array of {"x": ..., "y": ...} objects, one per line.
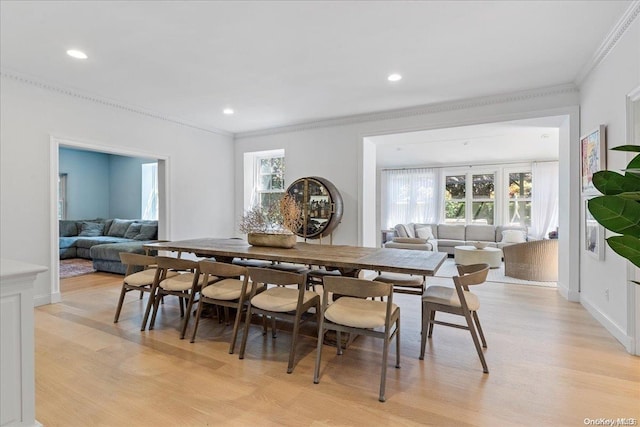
[
  {"x": 519, "y": 200},
  {"x": 469, "y": 198},
  {"x": 149, "y": 199}
]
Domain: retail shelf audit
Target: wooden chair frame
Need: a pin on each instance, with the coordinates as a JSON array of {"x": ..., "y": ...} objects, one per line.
[
  {"x": 360, "y": 288},
  {"x": 264, "y": 276},
  {"x": 469, "y": 275},
  {"x": 175, "y": 264},
  {"x": 223, "y": 271},
  {"x": 134, "y": 261}
]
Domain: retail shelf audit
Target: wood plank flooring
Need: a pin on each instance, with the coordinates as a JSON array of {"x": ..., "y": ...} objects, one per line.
[{"x": 550, "y": 362}]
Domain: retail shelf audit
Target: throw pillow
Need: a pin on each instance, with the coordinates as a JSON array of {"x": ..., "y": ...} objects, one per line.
[
  {"x": 409, "y": 240},
  {"x": 424, "y": 232},
  {"x": 513, "y": 236},
  {"x": 147, "y": 232},
  {"x": 133, "y": 231},
  {"x": 119, "y": 227},
  {"x": 90, "y": 229}
]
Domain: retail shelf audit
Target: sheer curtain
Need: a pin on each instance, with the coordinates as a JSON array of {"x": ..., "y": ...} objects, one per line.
[
  {"x": 410, "y": 195},
  {"x": 544, "y": 198}
]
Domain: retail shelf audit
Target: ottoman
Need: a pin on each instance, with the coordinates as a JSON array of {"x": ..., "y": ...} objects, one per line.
[
  {"x": 107, "y": 257},
  {"x": 467, "y": 255}
]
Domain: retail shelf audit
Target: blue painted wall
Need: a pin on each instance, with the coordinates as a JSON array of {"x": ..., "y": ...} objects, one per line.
[
  {"x": 87, "y": 183},
  {"x": 102, "y": 185}
]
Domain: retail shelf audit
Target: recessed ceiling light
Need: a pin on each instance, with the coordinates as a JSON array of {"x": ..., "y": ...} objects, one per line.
[
  {"x": 228, "y": 111},
  {"x": 77, "y": 54},
  {"x": 394, "y": 77}
]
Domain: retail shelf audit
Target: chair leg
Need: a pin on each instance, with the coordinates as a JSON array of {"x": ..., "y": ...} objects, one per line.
[
  {"x": 247, "y": 322},
  {"x": 181, "y": 302},
  {"x": 120, "y": 302},
  {"x": 198, "y": 314},
  {"x": 479, "y": 328},
  {"x": 476, "y": 342},
  {"x": 432, "y": 317},
  {"x": 294, "y": 341},
  {"x": 156, "y": 303},
  {"x": 339, "y": 343},
  {"x": 226, "y": 315},
  {"x": 185, "y": 322},
  {"x": 398, "y": 342},
  {"x": 150, "y": 302},
  {"x": 141, "y": 293},
  {"x": 426, "y": 314},
  {"x": 236, "y": 325},
  {"x": 316, "y": 374},
  {"x": 383, "y": 376},
  {"x": 274, "y": 333}
]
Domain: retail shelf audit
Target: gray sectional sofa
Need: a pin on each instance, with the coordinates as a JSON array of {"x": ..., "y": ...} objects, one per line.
[
  {"x": 102, "y": 240},
  {"x": 444, "y": 237}
]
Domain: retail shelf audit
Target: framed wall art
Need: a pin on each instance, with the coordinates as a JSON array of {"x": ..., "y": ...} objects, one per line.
[
  {"x": 593, "y": 149},
  {"x": 593, "y": 234}
]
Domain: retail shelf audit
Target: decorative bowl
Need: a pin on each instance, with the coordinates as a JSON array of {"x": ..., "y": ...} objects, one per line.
[{"x": 480, "y": 245}]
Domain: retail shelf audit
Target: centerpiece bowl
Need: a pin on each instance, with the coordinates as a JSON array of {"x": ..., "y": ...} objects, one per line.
[{"x": 480, "y": 245}]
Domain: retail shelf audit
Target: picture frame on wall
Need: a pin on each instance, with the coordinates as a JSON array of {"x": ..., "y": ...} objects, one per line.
[
  {"x": 593, "y": 152},
  {"x": 593, "y": 234}
]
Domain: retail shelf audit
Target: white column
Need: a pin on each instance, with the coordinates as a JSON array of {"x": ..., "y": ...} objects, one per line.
[{"x": 17, "y": 388}]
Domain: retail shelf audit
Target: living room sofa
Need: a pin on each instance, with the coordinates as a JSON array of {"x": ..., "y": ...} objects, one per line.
[
  {"x": 102, "y": 240},
  {"x": 444, "y": 237}
]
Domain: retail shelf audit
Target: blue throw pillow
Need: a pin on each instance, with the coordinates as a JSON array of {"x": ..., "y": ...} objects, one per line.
[
  {"x": 133, "y": 231},
  {"x": 147, "y": 232},
  {"x": 90, "y": 229},
  {"x": 119, "y": 227}
]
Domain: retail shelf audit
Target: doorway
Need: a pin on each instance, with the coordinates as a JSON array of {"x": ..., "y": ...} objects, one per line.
[{"x": 56, "y": 144}]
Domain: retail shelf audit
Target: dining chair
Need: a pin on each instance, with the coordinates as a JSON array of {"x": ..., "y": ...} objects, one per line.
[
  {"x": 403, "y": 283},
  {"x": 184, "y": 285},
  {"x": 280, "y": 302},
  {"x": 231, "y": 290},
  {"x": 354, "y": 313},
  {"x": 140, "y": 274},
  {"x": 459, "y": 301}
]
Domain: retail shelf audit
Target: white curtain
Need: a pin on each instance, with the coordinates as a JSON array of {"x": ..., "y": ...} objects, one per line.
[
  {"x": 410, "y": 195},
  {"x": 544, "y": 198}
]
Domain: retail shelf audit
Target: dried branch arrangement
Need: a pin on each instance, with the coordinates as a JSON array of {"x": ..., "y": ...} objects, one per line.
[{"x": 280, "y": 218}]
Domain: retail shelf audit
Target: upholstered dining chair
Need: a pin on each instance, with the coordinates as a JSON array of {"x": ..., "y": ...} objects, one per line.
[
  {"x": 184, "y": 285},
  {"x": 231, "y": 290},
  {"x": 141, "y": 271},
  {"x": 458, "y": 300},
  {"x": 354, "y": 314},
  {"x": 288, "y": 299},
  {"x": 403, "y": 283}
]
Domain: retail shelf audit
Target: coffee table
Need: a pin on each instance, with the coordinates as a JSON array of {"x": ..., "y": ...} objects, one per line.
[{"x": 467, "y": 255}]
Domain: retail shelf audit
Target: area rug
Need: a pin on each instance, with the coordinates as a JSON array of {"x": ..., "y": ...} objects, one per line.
[
  {"x": 75, "y": 267},
  {"x": 448, "y": 269}
]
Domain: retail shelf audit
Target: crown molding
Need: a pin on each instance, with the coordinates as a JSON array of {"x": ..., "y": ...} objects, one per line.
[
  {"x": 30, "y": 81},
  {"x": 569, "y": 88},
  {"x": 609, "y": 41}
]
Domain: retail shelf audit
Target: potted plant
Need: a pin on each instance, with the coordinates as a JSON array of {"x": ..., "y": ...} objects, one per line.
[
  {"x": 274, "y": 226},
  {"x": 618, "y": 209}
]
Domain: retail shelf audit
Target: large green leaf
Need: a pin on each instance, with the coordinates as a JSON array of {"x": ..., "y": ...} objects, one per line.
[
  {"x": 617, "y": 214},
  {"x": 633, "y": 167},
  {"x": 611, "y": 183},
  {"x": 635, "y": 148},
  {"x": 632, "y": 195},
  {"x": 627, "y": 247}
]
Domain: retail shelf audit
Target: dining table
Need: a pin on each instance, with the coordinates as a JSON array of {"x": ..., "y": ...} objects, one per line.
[{"x": 350, "y": 260}]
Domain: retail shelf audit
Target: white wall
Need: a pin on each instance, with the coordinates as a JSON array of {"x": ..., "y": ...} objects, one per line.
[
  {"x": 603, "y": 101},
  {"x": 200, "y": 175},
  {"x": 336, "y": 152}
]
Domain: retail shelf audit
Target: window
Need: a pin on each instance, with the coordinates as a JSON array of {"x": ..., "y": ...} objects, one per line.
[
  {"x": 62, "y": 196},
  {"x": 455, "y": 198},
  {"x": 483, "y": 197},
  {"x": 149, "y": 197},
  {"x": 269, "y": 185},
  {"x": 476, "y": 206},
  {"x": 519, "y": 199}
]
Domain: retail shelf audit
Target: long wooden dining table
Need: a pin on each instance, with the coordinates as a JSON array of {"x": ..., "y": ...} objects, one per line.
[{"x": 349, "y": 259}]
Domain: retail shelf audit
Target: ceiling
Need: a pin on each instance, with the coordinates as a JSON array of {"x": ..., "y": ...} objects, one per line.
[
  {"x": 492, "y": 143},
  {"x": 284, "y": 62}
]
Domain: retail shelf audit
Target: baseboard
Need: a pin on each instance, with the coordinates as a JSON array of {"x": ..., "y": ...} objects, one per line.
[
  {"x": 568, "y": 294},
  {"x": 608, "y": 324},
  {"x": 39, "y": 300}
]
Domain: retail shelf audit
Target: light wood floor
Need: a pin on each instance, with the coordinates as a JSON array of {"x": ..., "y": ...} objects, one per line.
[{"x": 550, "y": 363}]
